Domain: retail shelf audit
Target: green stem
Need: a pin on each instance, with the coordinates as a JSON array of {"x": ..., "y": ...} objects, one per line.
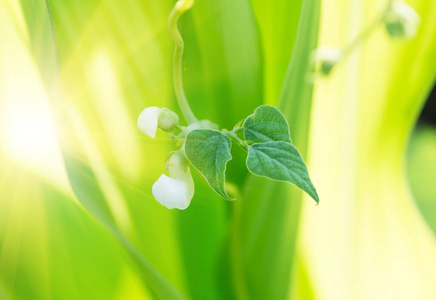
[
  {"x": 178, "y": 10},
  {"x": 365, "y": 33},
  {"x": 233, "y": 135}
]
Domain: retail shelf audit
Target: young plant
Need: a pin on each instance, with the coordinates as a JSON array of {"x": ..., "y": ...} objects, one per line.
[{"x": 264, "y": 135}]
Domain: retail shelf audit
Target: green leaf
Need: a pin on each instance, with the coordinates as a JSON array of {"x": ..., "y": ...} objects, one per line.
[
  {"x": 265, "y": 125},
  {"x": 209, "y": 151},
  {"x": 280, "y": 161}
]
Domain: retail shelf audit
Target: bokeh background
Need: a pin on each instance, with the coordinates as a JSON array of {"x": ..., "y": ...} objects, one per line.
[{"x": 77, "y": 218}]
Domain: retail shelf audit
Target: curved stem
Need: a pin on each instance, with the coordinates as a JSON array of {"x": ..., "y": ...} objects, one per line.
[
  {"x": 178, "y": 10},
  {"x": 366, "y": 32}
]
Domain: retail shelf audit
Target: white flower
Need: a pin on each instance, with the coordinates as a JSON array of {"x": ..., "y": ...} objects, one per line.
[
  {"x": 325, "y": 58},
  {"x": 172, "y": 193},
  {"x": 148, "y": 120},
  {"x": 402, "y": 21},
  {"x": 177, "y": 189},
  {"x": 153, "y": 117}
]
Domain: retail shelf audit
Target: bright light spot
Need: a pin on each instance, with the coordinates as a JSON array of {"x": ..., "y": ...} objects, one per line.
[
  {"x": 28, "y": 132},
  {"x": 28, "y": 138},
  {"x": 27, "y": 129}
]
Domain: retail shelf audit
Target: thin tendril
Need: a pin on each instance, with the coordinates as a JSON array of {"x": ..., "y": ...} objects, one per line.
[{"x": 178, "y": 10}]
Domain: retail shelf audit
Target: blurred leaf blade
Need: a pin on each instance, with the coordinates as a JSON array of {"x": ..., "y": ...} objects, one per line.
[
  {"x": 364, "y": 131},
  {"x": 262, "y": 238},
  {"x": 421, "y": 170},
  {"x": 277, "y": 22}
]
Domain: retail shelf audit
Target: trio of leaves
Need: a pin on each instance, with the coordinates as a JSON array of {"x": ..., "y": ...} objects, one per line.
[{"x": 270, "y": 152}]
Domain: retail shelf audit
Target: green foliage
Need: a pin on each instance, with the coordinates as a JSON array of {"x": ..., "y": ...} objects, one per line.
[
  {"x": 209, "y": 151},
  {"x": 266, "y": 124},
  {"x": 270, "y": 152},
  {"x": 280, "y": 161}
]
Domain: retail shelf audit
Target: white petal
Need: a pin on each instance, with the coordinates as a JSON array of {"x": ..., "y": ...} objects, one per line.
[
  {"x": 402, "y": 16},
  {"x": 330, "y": 54},
  {"x": 148, "y": 120},
  {"x": 324, "y": 59},
  {"x": 172, "y": 193},
  {"x": 410, "y": 16}
]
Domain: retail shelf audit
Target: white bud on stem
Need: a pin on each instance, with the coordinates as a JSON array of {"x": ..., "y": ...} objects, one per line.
[
  {"x": 153, "y": 117},
  {"x": 324, "y": 59},
  {"x": 177, "y": 189},
  {"x": 401, "y": 20},
  {"x": 168, "y": 120}
]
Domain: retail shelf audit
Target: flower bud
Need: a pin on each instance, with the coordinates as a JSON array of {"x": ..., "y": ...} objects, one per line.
[
  {"x": 177, "y": 189},
  {"x": 401, "y": 20},
  {"x": 324, "y": 59},
  {"x": 168, "y": 120},
  {"x": 153, "y": 117}
]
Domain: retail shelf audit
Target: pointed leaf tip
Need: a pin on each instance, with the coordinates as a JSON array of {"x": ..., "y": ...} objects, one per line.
[
  {"x": 280, "y": 161},
  {"x": 209, "y": 151}
]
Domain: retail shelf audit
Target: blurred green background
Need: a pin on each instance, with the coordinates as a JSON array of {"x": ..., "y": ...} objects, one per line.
[{"x": 77, "y": 217}]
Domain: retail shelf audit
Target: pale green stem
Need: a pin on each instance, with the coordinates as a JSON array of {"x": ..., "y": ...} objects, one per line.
[
  {"x": 233, "y": 135},
  {"x": 236, "y": 138},
  {"x": 366, "y": 32},
  {"x": 178, "y": 10}
]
